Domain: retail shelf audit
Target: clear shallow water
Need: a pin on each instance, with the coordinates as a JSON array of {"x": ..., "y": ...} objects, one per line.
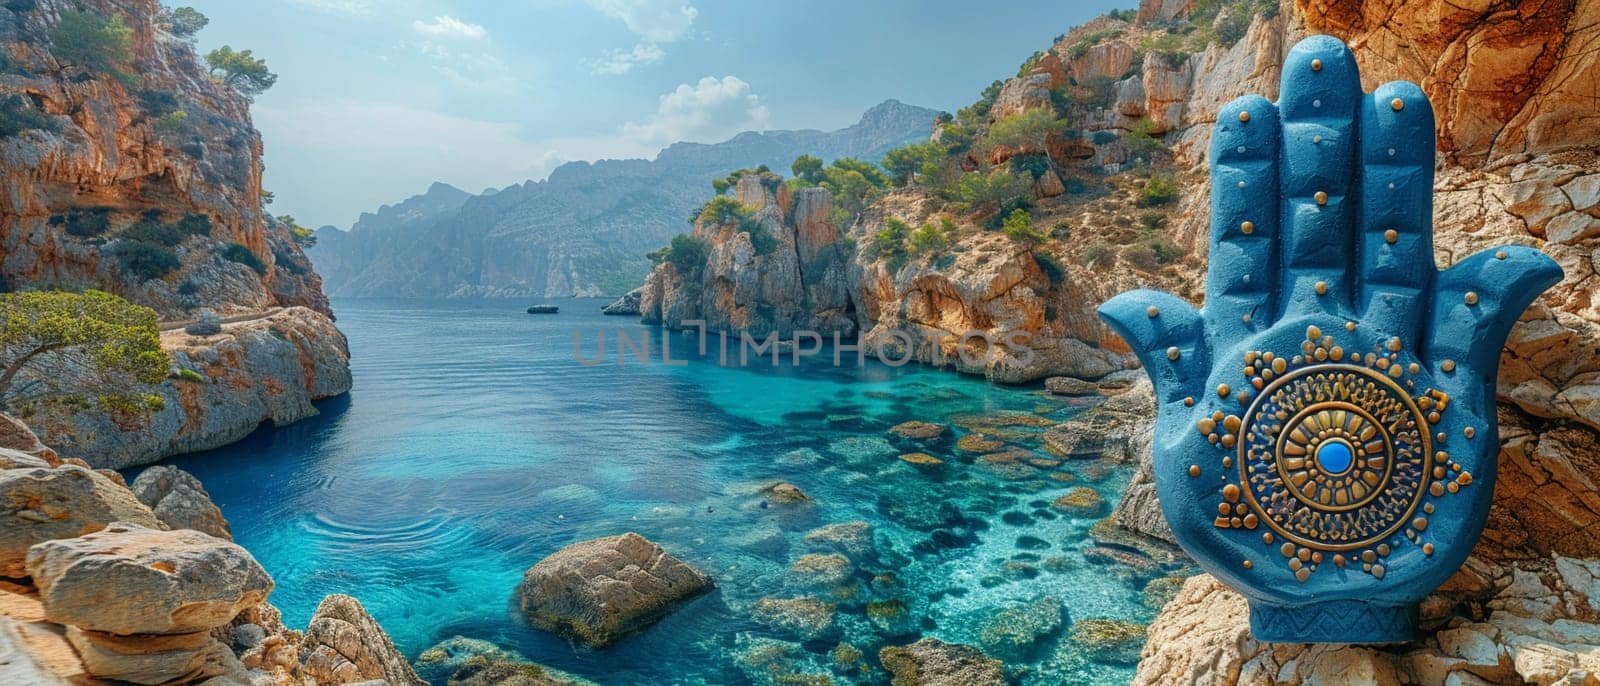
[{"x": 473, "y": 445}]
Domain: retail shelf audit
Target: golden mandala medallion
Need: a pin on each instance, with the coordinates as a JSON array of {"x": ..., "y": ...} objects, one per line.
[{"x": 1334, "y": 457}]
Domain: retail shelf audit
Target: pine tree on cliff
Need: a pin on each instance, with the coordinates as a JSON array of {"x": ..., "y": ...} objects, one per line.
[
  {"x": 120, "y": 342},
  {"x": 241, "y": 71}
]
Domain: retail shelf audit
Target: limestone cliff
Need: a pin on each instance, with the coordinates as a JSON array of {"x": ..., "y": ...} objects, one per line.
[
  {"x": 263, "y": 368},
  {"x": 796, "y": 284},
  {"x": 144, "y": 180},
  {"x": 113, "y": 165}
]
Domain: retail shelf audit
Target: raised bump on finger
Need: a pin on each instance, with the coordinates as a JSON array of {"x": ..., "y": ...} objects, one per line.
[
  {"x": 1396, "y": 217},
  {"x": 1244, "y": 226},
  {"x": 1316, "y": 159}
]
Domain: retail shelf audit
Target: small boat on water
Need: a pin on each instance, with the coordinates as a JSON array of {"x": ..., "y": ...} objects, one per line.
[{"x": 543, "y": 309}]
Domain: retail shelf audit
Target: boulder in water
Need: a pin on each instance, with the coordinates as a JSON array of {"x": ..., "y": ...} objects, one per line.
[
  {"x": 628, "y": 304},
  {"x": 179, "y": 501},
  {"x": 600, "y": 591},
  {"x": 543, "y": 309},
  {"x": 932, "y": 662}
]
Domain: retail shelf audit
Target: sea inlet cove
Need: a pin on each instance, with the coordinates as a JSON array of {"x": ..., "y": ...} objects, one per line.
[{"x": 689, "y": 342}]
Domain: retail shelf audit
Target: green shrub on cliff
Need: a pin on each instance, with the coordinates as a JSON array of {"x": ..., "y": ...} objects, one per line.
[
  {"x": 1018, "y": 226},
  {"x": 94, "y": 43},
  {"x": 234, "y": 252},
  {"x": 1026, "y": 130},
  {"x": 974, "y": 114},
  {"x": 906, "y": 162},
  {"x": 889, "y": 243},
  {"x": 808, "y": 169},
  {"x": 144, "y": 260},
  {"x": 17, "y": 114},
  {"x": 84, "y": 222},
  {"x": 687, "y": 254},
  {"x": 932, "y": 236},
  {"x": 1159, "y": 190},
  {"x": 120, "y": 340},
  {"x": 986, "y": 194}
]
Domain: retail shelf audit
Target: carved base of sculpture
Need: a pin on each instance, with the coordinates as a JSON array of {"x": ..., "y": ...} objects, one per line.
[{"x": 1333, "y": 621}]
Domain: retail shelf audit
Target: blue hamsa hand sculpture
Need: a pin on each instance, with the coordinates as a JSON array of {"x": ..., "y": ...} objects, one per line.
[{"x": 1326, "y": 437}]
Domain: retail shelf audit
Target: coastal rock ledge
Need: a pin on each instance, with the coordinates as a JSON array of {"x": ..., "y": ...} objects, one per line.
[
  {"x": 600, "y": 591},
  {"x": 264, "y": 369}
]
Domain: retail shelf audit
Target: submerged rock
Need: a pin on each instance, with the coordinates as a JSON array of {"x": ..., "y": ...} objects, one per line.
[
  {"x": 1016, "y": 632},
  {"x": 600, "y": 591},
  {"x": 784, "y": 493},
  {"x": 853, "y": 539},
  {"x": 1081, "y": 501},
  {"x": 922, "y": 459},
  {"x": 461, "y": 661},
  {"x": 932, "y": 662},
  {"x": 166, "y": 582},
  {"x": 822, "y": 570},
  {"x": 804, "y": 618},
  {"x": 179, "y": 501},
  {"x": 343, "y": 645},
  {"x": 53, "y": 503},
  {"x": 918, "y": 430},
  {"x": 1109, "y": 640},
  {"x": 978, "y": 443}
]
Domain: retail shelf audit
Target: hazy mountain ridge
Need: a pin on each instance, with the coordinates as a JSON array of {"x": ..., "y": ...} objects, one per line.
[{"x": 584, "y": 230}]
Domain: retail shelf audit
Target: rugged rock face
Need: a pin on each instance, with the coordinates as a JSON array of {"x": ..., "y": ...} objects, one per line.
[
  {"x": 266, "y": 368},
  {"x": 628, "y": 304},
  {"x": 583, "y": 231},
  {"x": 1537, "y": 627},
  {"x": 46, "y": 502},
  {"x": 121, "y": 174},
  {"x": 799, "y": 284},
  {"x": 600, "y": 591},
  {"x": 344, "y": 645},
  {"x": 78, "y": 190},
  {"x": 991, "y": 311},
  {"x": 179, "y": 501},
  {"x": 131, "y": 602},
  {"x": 167, "y": 582}
]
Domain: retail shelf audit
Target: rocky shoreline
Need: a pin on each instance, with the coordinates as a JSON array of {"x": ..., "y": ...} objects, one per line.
[{"x": 223, "y": 387}]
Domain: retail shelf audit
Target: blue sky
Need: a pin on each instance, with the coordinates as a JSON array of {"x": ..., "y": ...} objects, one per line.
[{"x": 378, "y": 98}]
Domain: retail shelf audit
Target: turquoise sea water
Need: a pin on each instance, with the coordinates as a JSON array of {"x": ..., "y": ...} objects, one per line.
[{"x": 473, "y": 445}]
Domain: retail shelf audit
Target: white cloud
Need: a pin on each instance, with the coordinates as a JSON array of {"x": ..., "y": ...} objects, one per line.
[
  {"x": 623, "y": 61},
  {"x": 445, "y": 26},
  {"x": 352, "y": 8},
  {"x": 708, "y": 111},
  {"x": 471, "y": 69},
  {"x": 655, "y": 21}
]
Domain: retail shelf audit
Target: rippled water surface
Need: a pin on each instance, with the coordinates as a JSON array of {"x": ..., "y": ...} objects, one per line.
[{"x": 473, "y": 445}]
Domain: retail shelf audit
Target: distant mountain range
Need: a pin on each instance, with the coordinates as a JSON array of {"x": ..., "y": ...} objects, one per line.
[{"x": 582, "y": 231}]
